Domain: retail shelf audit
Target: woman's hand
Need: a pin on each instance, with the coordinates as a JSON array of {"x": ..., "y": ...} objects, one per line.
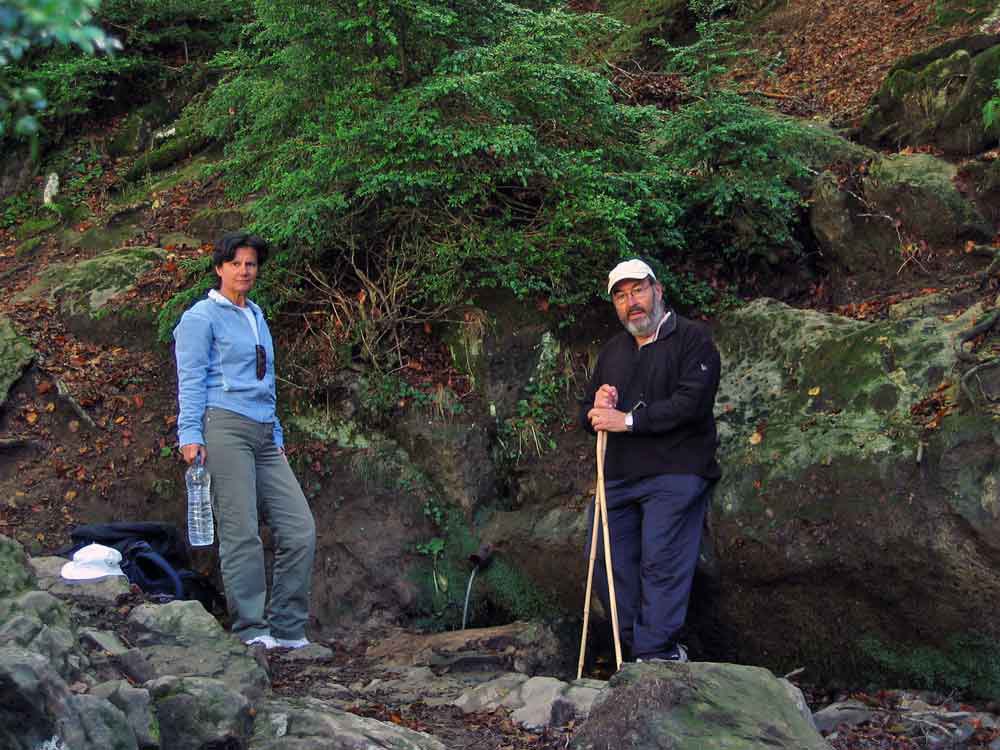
[{"x": 191, "y": 451}]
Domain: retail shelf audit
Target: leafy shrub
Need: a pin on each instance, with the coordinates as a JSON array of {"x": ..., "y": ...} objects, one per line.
[
  {"x": 54, "y": 88},
  {"x": 27, "y": 26},
  {"x": 738, "y": 165},
  {"x": 509, "y": 165}
]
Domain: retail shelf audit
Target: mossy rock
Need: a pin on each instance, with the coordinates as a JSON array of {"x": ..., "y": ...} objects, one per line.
[
  {"x": 937, "y": 98},
  {"x": 15, "y": 572},
  {"x": 819, "y": 145},
  {"x": 28, "y": 247},
  {"x": 15, "y": 356},
  {"x": 84, "y": 292},
  {"x": 908, "y": 198},
  {"x": 180, "y": 147},
  {"x": 209, "y": 224},
  {"x": 919, "y": 190},
  {"x": 834, "y": 497},
  {"x": 99, "y": 239},
  {"x": 851, "y": 239},
  {"x": 132, "y": 136},
  {"x": 695, "y": 706},
  {"x": 36, "y": 226}
]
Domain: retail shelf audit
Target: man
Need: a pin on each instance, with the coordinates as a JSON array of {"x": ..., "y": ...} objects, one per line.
[{"x": 653, "y": 391}]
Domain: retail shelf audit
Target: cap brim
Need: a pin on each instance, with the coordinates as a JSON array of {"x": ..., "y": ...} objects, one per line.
[{"x": 76, "y": 571}]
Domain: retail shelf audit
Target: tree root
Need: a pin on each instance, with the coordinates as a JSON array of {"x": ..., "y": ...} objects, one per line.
[
  {"x": 967, "y": 389},
  {"x": 977, "y": 330},
  {"x": 64, "y": 393}
]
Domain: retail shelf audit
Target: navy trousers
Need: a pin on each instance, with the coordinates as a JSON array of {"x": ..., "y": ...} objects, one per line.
[{"x": 655, "y": 526}]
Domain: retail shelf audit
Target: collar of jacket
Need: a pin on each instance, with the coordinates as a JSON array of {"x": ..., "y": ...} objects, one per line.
[
  {"x": 220, "y": 299},
  {"x": 666, "y": 328}
]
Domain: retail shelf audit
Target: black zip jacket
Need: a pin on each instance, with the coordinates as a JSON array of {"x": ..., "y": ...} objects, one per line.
[{"x": 669, "y": 386}]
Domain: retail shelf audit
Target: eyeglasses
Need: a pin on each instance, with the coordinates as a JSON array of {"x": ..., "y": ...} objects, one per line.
[
  {"x": 624, "y": 295},
  {"x": 261, "y": 362}
]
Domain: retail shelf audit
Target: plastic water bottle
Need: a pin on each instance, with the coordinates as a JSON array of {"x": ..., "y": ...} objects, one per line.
[{"x": 201, "y": 527}]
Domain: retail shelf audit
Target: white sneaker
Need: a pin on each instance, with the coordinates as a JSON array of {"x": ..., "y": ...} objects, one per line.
[
  {"x": 263, "y": 640},
  {"x": 291, "y": 642}
]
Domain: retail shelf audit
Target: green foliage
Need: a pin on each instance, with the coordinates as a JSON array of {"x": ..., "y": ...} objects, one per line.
[
  {"x": 463, "y": 129},
  {"x": 157, "y": 38},
  {"x": 739, "y": 163},
  {"x": 27, "y": 25},
  {"x": 14, "y": 209},
  {"x": 952, "y": 12},
  {"x": 183, "y": 27},
  {"x": 968, "y": 663},
  {"x": 711, "y": 9},
  {"x": 529, "y": 429},
  {"x": 198, "y": 269},
  {"x": 381, "y": 395},
  {"x": 706, "y": 59},
  {"x": 991, "y": 110}
]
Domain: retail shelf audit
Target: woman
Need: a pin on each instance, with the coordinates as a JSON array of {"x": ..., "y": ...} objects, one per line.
[{"x": 226, "y": 393}]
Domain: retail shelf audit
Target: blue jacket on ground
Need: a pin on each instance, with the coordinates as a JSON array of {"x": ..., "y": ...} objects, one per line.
[{"x": 217, "y": 367}]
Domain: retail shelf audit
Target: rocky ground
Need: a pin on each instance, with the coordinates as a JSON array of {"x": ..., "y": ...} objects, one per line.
[{"x": 121, "y": 672}]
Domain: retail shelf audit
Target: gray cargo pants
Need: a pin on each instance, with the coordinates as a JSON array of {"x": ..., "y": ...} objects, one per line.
[{"x": 251, "y": 478}]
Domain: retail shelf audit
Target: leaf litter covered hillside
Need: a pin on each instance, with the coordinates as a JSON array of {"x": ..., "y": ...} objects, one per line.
[{"x": 828, "y": 57}]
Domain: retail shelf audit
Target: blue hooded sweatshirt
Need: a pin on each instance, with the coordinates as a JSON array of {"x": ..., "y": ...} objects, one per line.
[{"x": 217, "y": 367}]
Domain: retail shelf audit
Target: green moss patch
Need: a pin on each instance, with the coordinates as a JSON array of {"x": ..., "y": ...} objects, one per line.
[
  {"x": 15, "y": 356},
  {"x": 36, "y": 226}
]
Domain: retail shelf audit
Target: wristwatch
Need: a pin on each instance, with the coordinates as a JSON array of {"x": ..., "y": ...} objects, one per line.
[{"x": 628, "y": 421}]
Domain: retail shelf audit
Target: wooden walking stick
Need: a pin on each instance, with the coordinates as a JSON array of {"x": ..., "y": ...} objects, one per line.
[{"x": 601, "y": 514}]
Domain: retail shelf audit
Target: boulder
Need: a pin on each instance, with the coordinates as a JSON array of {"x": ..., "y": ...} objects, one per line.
[
  {"x": 310, "y": 724},
  {"x": 181, "y": 639},
  {"x": 103, "y": 590},
  {"x": 838, "y": 516},
  {"x": 137, "y": 706},
  {"x": 919, "y": 190},
  {"x": 36, "y": 707},
  {"x": 40, "y": 623},
  {"x": 695, "y": 706},
  {"x": 194, "y": 711},
  {"x": 936, "y": 98},
  {"x": 849, "y": 713},
  {"x": 15, "y": 572},
  {"x": 15, "y": 356},
  {"x": 903, "y": 199},
  {"x": 85, "y": 291},
  {"x": 534, "y": 702}
]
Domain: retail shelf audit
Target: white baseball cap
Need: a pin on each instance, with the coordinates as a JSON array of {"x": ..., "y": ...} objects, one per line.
[
  {"x": 629, "y": 269},
  {"x": 92, "y": 562}
]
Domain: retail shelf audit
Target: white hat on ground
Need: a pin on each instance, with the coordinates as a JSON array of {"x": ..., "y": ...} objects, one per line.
[
  {"x": 629, "y": 269},
  {"x": 92, "y": 562}
]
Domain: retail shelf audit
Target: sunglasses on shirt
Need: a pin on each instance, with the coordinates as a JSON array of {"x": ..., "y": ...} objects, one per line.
[{"x": 261, "y": 362}]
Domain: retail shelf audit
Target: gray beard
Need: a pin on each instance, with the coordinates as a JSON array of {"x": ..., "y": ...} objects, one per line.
[{"x": 654, "y": 318}]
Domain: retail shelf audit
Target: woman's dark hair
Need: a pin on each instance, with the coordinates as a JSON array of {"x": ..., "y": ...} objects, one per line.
[{"x": 225, "y": 248}]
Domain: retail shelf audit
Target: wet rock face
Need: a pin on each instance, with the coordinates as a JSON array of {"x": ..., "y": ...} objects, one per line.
[
  {"x": 824, "y": 507},
  {"x": 936, "y": 98}
]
